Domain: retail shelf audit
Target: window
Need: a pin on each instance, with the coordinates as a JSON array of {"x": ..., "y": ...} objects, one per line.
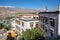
[
  {"x": 17, "y": 21},
  {"x": 46, "y": 20},
  {"x": 31, "y": 24},
  {"x": 35, "y": 17},
  {"x": 43, "y": 27},
  {"x": 39, "y": 17},
  {"x": 52, "y": 32},
  {"x": 4, "y": 21},
  {"x": 22, "y": 23},
  {"x": 46, "y": 29},
  {"x": 52, "y": 22},
  {"x": 42, "y": 18},
  {"x": 17, "y": 27},
  {"x": 37, "y": 24}
]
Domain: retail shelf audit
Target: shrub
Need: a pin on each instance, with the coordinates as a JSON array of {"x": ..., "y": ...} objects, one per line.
[
  {"x": 1, "y": 25},
  {"x": 33, "y": 34}
]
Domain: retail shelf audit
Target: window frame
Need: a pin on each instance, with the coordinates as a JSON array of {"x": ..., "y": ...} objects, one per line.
[
  {"x": 31, "y": 24},
  {"x": 52, "y": 22},
  {"x": 22, "y": 23}
]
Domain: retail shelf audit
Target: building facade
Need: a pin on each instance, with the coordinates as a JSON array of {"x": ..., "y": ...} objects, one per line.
[
  {"x": 49, "y": 23},
  {"x": 27, "y": 21}
]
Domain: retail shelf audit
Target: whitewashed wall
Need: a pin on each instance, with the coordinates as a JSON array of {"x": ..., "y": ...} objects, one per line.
[
  {"x": 59, "y": 25},
  {"x": 13, "y": 25},
  {"x": 26, "y": 25}
]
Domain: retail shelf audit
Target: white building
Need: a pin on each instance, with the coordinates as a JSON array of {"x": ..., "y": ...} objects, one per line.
[
  {"x": 27, "y": 21},
  {"x": 49, "y": 22}
]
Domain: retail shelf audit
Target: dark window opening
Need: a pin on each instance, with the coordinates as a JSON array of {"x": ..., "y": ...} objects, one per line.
[
  {"x": 31, "y": 24},
  {"x": 17, "y": 21},
  {"x": 43, "y": 27},
  {"x": 52, "y": 22},
  {"x": 51, "y": 32},
  {"x": 22, "y": 23},
  {"x": 37, "y": 25},
  {"x": 35, "y": 17},
  {"x": 46, "y": 29},
  {"x": 46, "y": 20}
]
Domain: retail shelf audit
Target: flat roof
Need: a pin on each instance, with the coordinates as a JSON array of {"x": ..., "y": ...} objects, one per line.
[
  {"x": 29, "y": 19},
  {"x": 50, "y": 12}
]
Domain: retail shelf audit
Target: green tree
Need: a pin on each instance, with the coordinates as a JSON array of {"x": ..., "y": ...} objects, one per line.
[
  {"x": 33, "y": 34},
  {"x": 8, "y": 18},
  {"x": 1, "y": 25},
  {"x": 8, "y": 28},
  {"x": 7, "y": 24}
]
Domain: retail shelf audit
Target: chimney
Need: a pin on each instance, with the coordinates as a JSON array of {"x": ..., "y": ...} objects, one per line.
[{"x": 58, "y": 7}]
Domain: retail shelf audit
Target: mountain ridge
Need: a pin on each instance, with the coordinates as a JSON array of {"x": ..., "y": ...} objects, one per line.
[{"x": 9, "y": 10}]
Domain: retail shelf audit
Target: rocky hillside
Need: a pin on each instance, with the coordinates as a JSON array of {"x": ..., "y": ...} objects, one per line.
[
  {"x": 15, "y": 10},
  {"x": 9, "y": 11}
]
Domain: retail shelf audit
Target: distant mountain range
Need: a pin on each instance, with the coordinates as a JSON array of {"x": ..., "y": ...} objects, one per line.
[{"x": 9, "y": 10}]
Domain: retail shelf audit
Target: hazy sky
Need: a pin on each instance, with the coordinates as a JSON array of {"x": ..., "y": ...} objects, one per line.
[{"x": 35, "y": 4}]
